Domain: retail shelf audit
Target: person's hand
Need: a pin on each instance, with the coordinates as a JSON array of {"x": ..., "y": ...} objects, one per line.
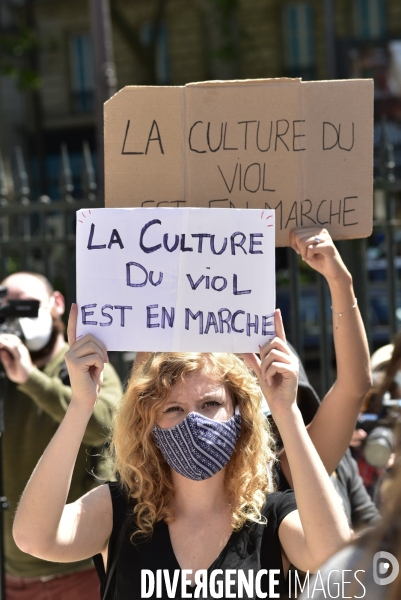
[
  {"x": 317, "y": 249},
  {"x": 277, "y": 370},
  {"x": 358, "y": 437},
  {"x": 15, "y": 358},
  {"x": 85, "y": 361}
]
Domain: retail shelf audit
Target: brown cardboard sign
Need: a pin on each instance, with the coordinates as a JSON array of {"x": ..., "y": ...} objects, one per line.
[{"x": 304, "y": 149}]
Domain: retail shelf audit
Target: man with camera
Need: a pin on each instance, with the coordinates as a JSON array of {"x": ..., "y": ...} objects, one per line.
[{"x": 36, "y": 391}]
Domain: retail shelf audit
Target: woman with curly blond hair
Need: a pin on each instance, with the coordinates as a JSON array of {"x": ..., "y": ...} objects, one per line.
[{"x": 192, "y": 452}]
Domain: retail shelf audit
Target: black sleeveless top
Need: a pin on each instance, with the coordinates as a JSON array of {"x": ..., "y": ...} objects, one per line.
[{"x": 253, "y": 548}]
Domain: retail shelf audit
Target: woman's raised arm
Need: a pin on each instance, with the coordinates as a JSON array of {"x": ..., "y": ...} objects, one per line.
[
  {"x": 319, "y": 528},
  {"x": 332, "y": 427},
  {"x": 44, "y": 525}
]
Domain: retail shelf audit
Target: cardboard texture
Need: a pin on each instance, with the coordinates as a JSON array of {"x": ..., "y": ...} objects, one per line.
[
  {"x": 174, "y": 279},
  {"x": 304, "y": 149}
]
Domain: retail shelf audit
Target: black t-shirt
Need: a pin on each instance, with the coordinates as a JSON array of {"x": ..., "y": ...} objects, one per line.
[{"x": 253, "y": 548}]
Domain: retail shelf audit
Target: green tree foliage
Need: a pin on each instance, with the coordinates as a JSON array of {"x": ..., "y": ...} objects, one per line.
[{"x": 15, "y": 49}]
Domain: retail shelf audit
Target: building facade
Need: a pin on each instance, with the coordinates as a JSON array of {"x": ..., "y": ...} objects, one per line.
[{"x": 173, "y": 42}]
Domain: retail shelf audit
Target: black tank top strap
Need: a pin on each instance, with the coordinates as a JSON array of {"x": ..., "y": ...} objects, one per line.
[{"x": 122, "y": 510}]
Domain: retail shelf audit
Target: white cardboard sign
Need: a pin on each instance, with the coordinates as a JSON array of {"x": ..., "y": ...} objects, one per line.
[{"x": 186, "y": 279}]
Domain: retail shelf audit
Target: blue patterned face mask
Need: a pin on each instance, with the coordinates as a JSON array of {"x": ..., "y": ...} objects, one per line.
[{"x": 198, "y": 447}]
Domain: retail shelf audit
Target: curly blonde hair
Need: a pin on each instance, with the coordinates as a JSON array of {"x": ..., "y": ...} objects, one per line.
[{"x": 140, "y": 466}]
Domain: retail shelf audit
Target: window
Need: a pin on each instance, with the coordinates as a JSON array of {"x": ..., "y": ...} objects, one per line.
[
  {"x": 369, "y": 19},
  {"x": 162, "y": 66},
  {"x": 299, "y": 43},
  {"x": 81, "y": 72}
]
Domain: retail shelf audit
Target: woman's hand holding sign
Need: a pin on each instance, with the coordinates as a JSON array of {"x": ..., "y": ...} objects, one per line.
[
  {"x": 85, "y": 361},
  {"x": 277, "y": 370}
]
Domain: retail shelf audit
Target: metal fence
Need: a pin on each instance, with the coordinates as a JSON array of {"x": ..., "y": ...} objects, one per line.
[{"x": 38, "y": 234}]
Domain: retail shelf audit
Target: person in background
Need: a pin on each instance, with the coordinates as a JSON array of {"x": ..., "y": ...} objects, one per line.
[
  {"x": 378, "y": 362},
  {"x": 360, "y": 509},
  {"x": 369, "y": 566},
  {"x": 36, "y": 394},
  {"x": 386, "y": 372},
  {"x": 358, "y": 506}
]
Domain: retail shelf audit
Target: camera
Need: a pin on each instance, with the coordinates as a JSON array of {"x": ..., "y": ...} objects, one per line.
[
  {"x": 12, "y": 310},
  {"x": 380, "y": 442}
]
